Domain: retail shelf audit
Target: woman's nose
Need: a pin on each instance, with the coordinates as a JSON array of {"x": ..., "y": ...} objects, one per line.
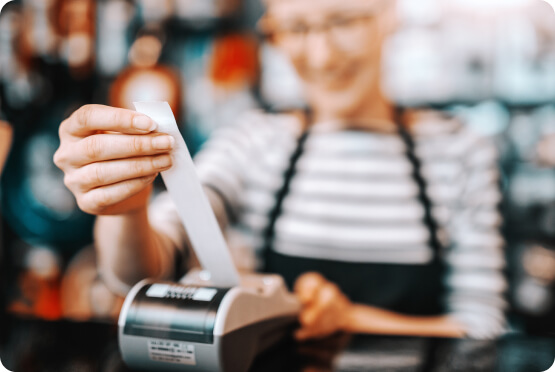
[{"x": 320, "y": 52}]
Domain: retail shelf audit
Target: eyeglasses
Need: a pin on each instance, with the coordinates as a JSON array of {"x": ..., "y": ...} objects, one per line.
[{"x": 344, "y": 31}]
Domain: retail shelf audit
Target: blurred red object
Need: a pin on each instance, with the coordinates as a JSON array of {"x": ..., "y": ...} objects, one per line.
[
  {"x": 235, "y": 62},
  {"x": 157, "y": 83},
  {"x": 145, "y": 79},
  {"x": 76, "y": 24},
  {"x": 38, "y": 285},
  {"x": 84, "y": 296}
]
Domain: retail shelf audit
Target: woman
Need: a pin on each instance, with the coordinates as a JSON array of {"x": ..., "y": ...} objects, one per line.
[{"x": 397, "y": 213}]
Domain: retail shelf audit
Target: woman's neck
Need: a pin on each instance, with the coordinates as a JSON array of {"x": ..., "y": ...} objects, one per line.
[{"x": 374, "y": 115}]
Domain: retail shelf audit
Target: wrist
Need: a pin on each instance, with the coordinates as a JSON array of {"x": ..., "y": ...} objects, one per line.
[
  {"x": 136, "y": 212},
  {"x": 136, "y": 205},
  {"x": 348, "y": 320}
]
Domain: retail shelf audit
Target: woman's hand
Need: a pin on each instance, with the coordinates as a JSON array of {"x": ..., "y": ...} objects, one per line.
[
  {"x": 325, "y": 309},
  {"x": 110, "y": 157}
]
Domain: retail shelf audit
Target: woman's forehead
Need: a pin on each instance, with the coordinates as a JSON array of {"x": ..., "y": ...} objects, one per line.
[{"x": 320, "y": 8}]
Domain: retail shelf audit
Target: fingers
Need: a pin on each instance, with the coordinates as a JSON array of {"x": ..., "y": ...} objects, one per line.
[
  {"x": 110, "y": 156},
  {"x": 92, "y": 118},
  {"x": 306, "y": 334},
  {"x": 110, "y": 172},
  {"x": 318, "y": 330},
  {"x": 324, "y": 297},
  {"x": 98, "y": 200},
  {"x": 307, "y": 286},
  {"x": 102, "y": 147},
  {"x": 323, "y": 306}
]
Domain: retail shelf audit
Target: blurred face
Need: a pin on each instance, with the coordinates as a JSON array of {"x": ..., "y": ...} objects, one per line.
[{"x": 335, "y": 46}]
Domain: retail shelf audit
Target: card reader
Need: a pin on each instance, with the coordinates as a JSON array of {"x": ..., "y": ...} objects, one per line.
[
  {"x": 213, "y": 320},
  {"x": 193, "y": 326}
]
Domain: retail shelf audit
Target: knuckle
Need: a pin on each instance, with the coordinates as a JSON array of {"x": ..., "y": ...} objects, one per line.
[
  {"x": 327, "y": 299},
  {"x": 93, "y": 147},
  {"x": 94, "y": 175},
  {"x": 141, "y": 167},
  {"x": 305, "y": 320},
  {"x": 128, "y": 188},
  {"x": 331, "y": 287},
  {"x": 313, "y": 277},
  {"x": 310, "y": 319},
  {"x": 154, "y": 163},
  {"x": 83, "y": 115},
  {"x": 70, "y": 180},
  {"x": 59, "y": 158},
  {"x": 86, "y": 205},
  {"x": 81, "y": 204},
  {"x": 121, "y": 117},
  {"x": 329, "y": 294},
  {"x": 100, "y": 200},
  {"x": 309, "y": 281},
  {"x": 62, "y": 127},
  {"x": 138, "y": 145}
]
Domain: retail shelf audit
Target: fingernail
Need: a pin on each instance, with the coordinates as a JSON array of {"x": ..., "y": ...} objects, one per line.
[
  {"x": 144, "y": 123},
  {"x": 163, "y": 142},
  {"x": 162, "y": 161}
]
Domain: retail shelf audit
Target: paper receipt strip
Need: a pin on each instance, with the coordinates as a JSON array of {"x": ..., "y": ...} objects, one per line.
[{"x": 192, "y": 204}]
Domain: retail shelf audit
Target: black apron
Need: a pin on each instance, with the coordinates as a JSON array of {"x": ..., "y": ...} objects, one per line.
[{"x": 415, "y": 289}]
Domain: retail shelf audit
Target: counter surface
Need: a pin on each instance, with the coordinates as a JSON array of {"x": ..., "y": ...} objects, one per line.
[{"x": 32, "y": 346}]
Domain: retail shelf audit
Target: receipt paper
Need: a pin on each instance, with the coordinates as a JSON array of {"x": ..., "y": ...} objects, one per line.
[{"x": 193, "y": 207}]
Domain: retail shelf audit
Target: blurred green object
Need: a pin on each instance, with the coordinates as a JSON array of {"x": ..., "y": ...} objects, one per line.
[{"x": 35, "y": 202}]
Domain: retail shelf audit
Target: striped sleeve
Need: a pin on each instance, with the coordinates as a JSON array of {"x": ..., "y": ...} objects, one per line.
[
  {"x": 220, "y": 165},
  {"x": 224, "y": 159},
  {"x": 476, "y": 280},
  {"x": 176, "y": 253}
]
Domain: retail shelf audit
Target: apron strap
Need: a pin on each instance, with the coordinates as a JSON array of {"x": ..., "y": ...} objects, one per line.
[
  {"x": 423, "y": 195},
  {"x": 276, "y": 211},
  {"x": 429, "y": 219}
]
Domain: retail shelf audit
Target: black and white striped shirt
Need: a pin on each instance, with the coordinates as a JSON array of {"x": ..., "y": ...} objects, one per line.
[{"x": 354, "y": 199}]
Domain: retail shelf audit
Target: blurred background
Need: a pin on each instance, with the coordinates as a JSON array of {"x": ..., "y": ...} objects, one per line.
[{"x": 490, "y": 62}]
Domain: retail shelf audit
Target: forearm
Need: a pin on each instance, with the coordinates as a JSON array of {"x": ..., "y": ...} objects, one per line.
[
  {"x": 129, "y": 248},
  {"x": 367, "y": 319}
]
